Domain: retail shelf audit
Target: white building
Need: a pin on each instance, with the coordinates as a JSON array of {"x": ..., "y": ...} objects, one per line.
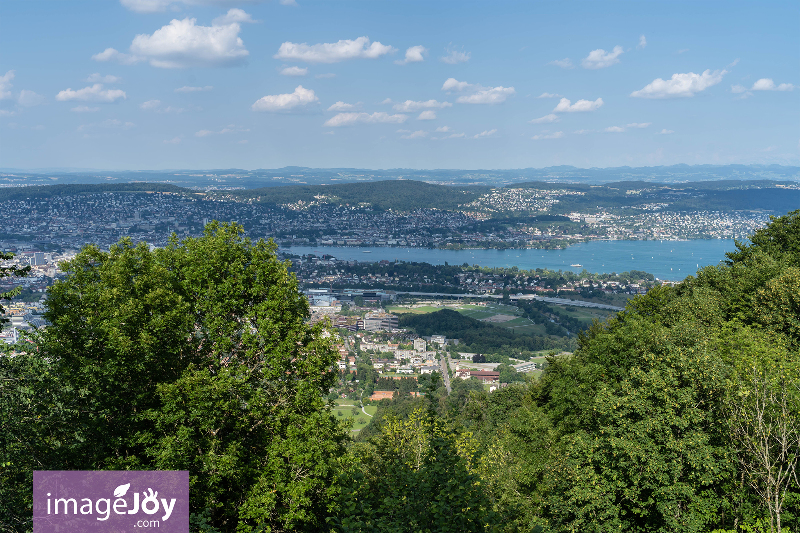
[{"x": 420, "y": 345}]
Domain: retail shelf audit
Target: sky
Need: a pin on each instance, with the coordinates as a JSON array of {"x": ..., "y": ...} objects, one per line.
[{"x": 200, "y": 84}]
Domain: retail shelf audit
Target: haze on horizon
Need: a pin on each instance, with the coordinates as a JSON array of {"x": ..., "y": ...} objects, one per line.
[{"x": 192, "y": 84}]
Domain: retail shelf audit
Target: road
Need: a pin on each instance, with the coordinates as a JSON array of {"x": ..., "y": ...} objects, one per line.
[{"x": 445, "y": 373}]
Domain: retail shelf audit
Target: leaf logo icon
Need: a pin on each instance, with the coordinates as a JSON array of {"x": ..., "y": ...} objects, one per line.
[{"x": 120, "y": 491}]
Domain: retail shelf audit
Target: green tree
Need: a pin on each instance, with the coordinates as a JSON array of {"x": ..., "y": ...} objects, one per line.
[
  {"x": 197, "y": 357},
  {"x": 7, "y": 271}
]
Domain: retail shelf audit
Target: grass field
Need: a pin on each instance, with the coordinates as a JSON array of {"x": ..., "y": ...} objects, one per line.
[{"x": 348, "y": 409}]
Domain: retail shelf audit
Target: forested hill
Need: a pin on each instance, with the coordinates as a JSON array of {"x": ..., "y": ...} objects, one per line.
[
  {"x": 402, "y": 195},
  {"x": 55, "y": 191}
]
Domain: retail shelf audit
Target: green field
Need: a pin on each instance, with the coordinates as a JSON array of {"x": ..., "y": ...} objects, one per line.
[{"x": 360, "y": 420}]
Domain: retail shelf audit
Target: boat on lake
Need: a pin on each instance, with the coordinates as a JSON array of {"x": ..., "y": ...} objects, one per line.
[{"x": 576, "y": 265}]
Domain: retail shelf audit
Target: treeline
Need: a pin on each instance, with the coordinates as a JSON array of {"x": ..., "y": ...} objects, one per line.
[{"x": 400, "y": 195}]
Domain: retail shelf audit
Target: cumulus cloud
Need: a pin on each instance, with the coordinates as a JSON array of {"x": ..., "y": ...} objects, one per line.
[
  {"x": 427, "y": 115},
  {"x": 552, "y": 117},
  {"x": 84, "y": 109},
  {"x": 766, "y": 84},
  {"x": 443, "y": 129},
  {"x": 348, "y": 119},
  {"x": 642, "y": 42},
  {"x": 564, "y": 106},
  {"x": 665, "y": 132},
  {"x": 97, "y": 78},
  {"x": 485, "y": 133},
  {"x": 174, "y": 140},
  {"x": 681, "y": 85},
  {"x": 638, "y": 125},
  {"x": 620, "y": 129},
  {"x": 182, "y": 43},
  {"x": 563, "y": 63},
  {"x": 341, "y": 106},
  {"x": 601, "y": 59},
  {"x": 477, "y": 94},
  {"x": 342, "y": 50},
  {"x": 234, "y": 15},
  {"x": 453, "y": 57},
  {"x": 614, "y": 129},
  {"x": 150, "y": 104},
  {"x": 5, "y": 85},
  {"x": 231, "y": 128},
  {"x": 188, "y": 89},
  {"x": 415, "y": 54},
  {"x": 549, "y": 95},
  {"x": 415, "y": 135},
  {"x": 294, "y": 71},
  {"x": 456, "y": 136},
  {"x": 738, "y": 89},
  {"x": 411, "y": 106},
  {"x": 95, "y": 93},
  {"x": 556, "y": 135},
  {"x": 298, "y": 100}
]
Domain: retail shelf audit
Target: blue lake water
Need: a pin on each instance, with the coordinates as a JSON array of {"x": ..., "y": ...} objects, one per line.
[{"x": 667, "y": 260}]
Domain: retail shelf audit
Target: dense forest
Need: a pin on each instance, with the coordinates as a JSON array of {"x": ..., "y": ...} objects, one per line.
[{"x": 681, "y": 414}]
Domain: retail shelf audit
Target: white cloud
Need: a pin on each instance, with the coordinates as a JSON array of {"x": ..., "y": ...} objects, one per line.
[
  {"x": 174, "y": 140},
  {"x": 5, "y": 85},
  {"x": 203, "y": 133},
  {"x": 231, "y": 128},
  {"x": 325, "y": 75},
  {"x": 638, "y": 125},
  {"x": 294, "y": 71},
  {"x": 233, "y": 16},
  {"x": 601, "y": 59},
  {"x": 97, "y": 78},
  {"x": 348, "y": 119},
  {"x": 580, "y": 105},
  {"x": 333, "y": 52},
  {"x": 552, "y": 117},
  {"x": 112, "y": 54},
  {"x": 427, "y": 115},
  {"x": 182, "y": 44},
  {"x": 288, "y": 2},
  {"x": 556, "y": 135},
  {"x": 766, "y": 84},
  {"x": 453, "y": 57},
  {"x": 581, "y": 132},
  {"x": 300, "y": 99},
  {"x": 341, "y": 106},
  {"x": 415, "y": 54},
  {"x": 188, "y": 89},
  {"x": 410, "y": 106},
  {"x": 84, "y": 109},
  {"x": 738, "y": 89},
  {"x": 614, "y": 129},
  {"x": 563, "y": 63},
  {"x": 29, "y": 98},
  {"x": 485, "y": 133},
  {"x": 150, "y": 104},
  {"x": 456, "y": 136},
  {"x": 95, "y": 93},
  {"x": 488, "y": 95},
  {"x": 680, "y": 85},
  {"x": 665, "y": 132},
  {"x": 452, "y": 84},
  {"x": 549, "y": 95},
  {"x": 415, "y": 135},
  {"x": 443, "y": 129},
  {"x": 642, "y": 42},
  {"x": 478, "y": 93}
]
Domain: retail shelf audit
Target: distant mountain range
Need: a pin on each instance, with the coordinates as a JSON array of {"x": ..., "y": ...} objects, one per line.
[{"x": 250, "y": 179}]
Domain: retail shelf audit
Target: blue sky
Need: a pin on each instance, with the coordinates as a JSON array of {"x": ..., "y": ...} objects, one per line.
[{"x": 157, "y": 84}]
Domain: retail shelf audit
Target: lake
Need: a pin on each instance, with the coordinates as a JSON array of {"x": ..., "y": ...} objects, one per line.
[{"x": 667, "y": 260}]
